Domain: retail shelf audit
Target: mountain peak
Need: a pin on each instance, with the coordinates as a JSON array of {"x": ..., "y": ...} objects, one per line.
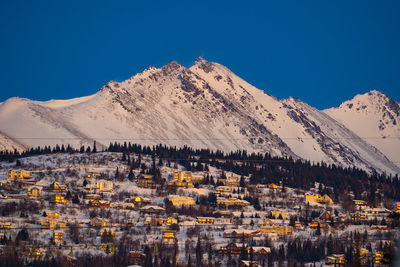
[{"x": 203, "y": 64}]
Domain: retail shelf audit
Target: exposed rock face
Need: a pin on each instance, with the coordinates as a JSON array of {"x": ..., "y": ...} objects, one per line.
[{"x": 204, "y": 106}]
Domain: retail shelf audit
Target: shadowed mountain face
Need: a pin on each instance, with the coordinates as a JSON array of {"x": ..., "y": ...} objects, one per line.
[{"x": 206, "y": 106}]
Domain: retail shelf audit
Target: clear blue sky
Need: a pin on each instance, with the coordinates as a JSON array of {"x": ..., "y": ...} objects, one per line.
[{"x": 322, "y": 52}]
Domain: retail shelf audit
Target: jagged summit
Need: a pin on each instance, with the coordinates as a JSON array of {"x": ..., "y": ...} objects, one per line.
[{"x": 206, "y": 106}]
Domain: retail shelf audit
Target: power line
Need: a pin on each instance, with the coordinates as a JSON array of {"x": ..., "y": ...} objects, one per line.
[{"x": 191, "y": 139}]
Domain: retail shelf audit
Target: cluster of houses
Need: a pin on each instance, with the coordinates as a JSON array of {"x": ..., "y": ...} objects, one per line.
[{"x": 233, "y": 217}]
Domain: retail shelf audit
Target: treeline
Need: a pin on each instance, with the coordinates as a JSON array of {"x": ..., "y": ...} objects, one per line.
[{"x": 262, "y": 168}]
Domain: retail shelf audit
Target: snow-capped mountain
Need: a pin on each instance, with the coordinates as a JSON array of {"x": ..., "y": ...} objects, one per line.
[
  {"x": 374, "y": 117},
  {"x": 205, "y": 105}
]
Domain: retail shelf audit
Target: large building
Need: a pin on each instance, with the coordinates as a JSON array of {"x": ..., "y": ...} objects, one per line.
[
  {"x": 317, "y": 198},
  {"x": 186, "y": 176},
  {"x": 181, "y": 200}
]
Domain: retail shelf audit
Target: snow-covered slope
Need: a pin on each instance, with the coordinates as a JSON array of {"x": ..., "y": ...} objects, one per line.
[
  {"x": 374, "y": 117},
  {"x": 205, "y": 105}
]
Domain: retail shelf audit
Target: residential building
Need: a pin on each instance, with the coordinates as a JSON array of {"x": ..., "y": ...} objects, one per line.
[
  {"x": 18, "y": 175},
  {"x": 232, "y": 202},
  {"x": 360, "y": 203},
  {"x": 146, "y": 181},
  {"x": 186, "y": 176},
  {"x": 58, "y": 199},
  {"x": 205, "y": 220},
  {"x": 317, "y": 198},
  {"x": 336, "y": 260},
  {"x": 181, "y": 200},
  {"x": 34, "y": 191},
  {"x": 168, "y": 236},
  {"x": 58, "y": 236},
  {"x": 280, "y": 230}
]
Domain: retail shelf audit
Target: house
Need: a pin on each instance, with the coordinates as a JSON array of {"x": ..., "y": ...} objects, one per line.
[
  {"x": 379, "y": 255},
  {"x": 315, "y": 224},
  {"x": 151, "y": 209},
  {"x": 379, "y": 227},
  {"x": 180, "y": 184},
  {"x": 232, "y": 181},
  {"x": 244, "y": 263},
  {"x": 141, "y": 200},
  {"x": 280, "y": 230},
  {"x": 273, "y": 187},
  {"x": 58, "y": 236},
  {"x": 52, "y": 224},
  {"x": 365, "y": 253},
  {"x": 58, "y": 199},
  {"x": 56, "y": 187},
  {"x": 205, "y": 220},
  {"x": 171, "y": 220},
  {"x": 325, "y": 216},
  {"x": 181, "y": 200},
  {"x": 153, "y": 221},
  {"x": 97, "y": 222},
  {"x": 224, "y": 190},
  {"x": 360, "y": 203},
  {"x": 335, "y": 259},
  {"x": 93, "y": 175},
  {"x": 241, "y": 233},
  {"x": 232, "y": 202},
  {"x": 186, "y": 176},
  {"x": 168, "y": 236},
  {"x": 146, "y": 181},
  {"x": 259, "y": 250},
  {"x": 372, "y": 213},
  {"x": 52, "y": 215},
  {"x": 99, "y": 204},
  {"x": 34, "y": 191},
  {"x": 232, "y": 248},
  {"x": 18, "y": 175},
  {"x": 99, "y": 186},
  {"x": 317, "y": 198},
  {"x": 136, "y": 256}
]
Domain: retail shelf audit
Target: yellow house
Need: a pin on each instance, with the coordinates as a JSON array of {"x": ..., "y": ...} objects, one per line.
[
  {"x": 232, "y": 202},
  {"x": 171, "y": 220},
  {"x": 232, "y": 181},
  {"x": 205, "y": 220},
  {"x": 325, "y": 199},
  {"x": 280, "y": 230},
  {"x": 224, "y": 190},
  {"x": 34, "y": 191},
  {"x": 168, "y": 236},
  {"x": 52, "y": 224},
  {"x": 379, "y": 257},
  {"x": 58, "y": 236},
  {"x": 364, "y": 252},
  {"x": 56, "y": 187},
  {"x": 335, "y": 259},
  {"x": 93, "y": 175},
  {"x": 360, "y": 203},
  {"x": 146, "y": 181},
  {"x": 18, "y": 175},
  {"x": 181, "y": 200},
  {"x": 186, "y": 176},
  {"x": 58, "y": 199},
  {"x": 53, "y": 215},
  {"x": 273, "y": 187}
]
